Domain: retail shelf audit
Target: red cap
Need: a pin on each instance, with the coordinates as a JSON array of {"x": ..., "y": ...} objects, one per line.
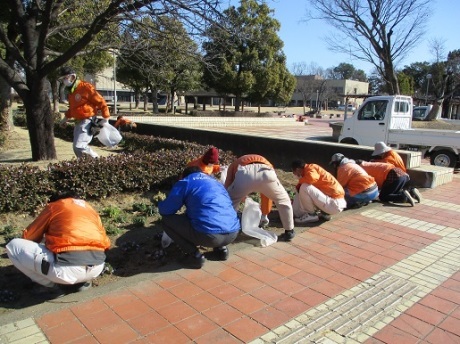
[{"x": 211, "y": 156}]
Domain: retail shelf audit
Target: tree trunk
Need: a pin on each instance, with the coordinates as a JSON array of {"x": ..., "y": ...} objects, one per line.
[
  {"x": 40, "y": 120},
  {"x": 155, "y": 99},
  {"x": 6, "y": 122},
  {"x": 237, "y": 102},
  {"x": 146, "y": 100}
]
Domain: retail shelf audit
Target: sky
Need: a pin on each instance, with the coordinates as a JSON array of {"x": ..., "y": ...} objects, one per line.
[{"x": 303, "y": 41}]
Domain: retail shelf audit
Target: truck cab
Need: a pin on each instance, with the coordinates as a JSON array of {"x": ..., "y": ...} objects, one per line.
[{"x": 370, "y": 123}]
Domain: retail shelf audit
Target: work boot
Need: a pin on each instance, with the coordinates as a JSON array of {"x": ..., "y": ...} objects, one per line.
[
  {"x": 220, "y": 253},
  {"x": 324, "y": 216},
  {"x": 193, "y": 261},
  {"x": 287, "y": 236}
]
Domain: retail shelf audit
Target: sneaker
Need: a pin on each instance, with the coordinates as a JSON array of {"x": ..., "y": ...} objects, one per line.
[
  {"x": 193, "y": 262},
  {"x": 75, "y": 288},
  {"x": 416, "y": 195},
  {"x": 264, "y": 221},
  {"x": 220, "y": 253},
  {"x": 409, "y": 198},
  {"x": 287, "y": 236},
  {"x": 306, "y": 218},
  {"x": 324, "y": 216}
]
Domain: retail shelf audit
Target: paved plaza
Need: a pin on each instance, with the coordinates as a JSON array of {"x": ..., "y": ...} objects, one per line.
[{"x": 379, "y": 274}]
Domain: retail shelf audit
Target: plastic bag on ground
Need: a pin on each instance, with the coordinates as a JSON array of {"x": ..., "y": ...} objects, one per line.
[
  {"x": 250, "y": 223},
  {"x": 109, "y": 135}
]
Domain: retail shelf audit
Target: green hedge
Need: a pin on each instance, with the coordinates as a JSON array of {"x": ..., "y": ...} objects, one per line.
[{"x": 148, "y": 163}]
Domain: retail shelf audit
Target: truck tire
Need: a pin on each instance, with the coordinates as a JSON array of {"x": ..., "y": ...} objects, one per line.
[
  {"x": 349, "y": 140},
  {"x": 443, "y": 158}
]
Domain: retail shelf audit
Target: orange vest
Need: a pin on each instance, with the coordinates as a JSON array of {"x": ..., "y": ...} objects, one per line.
[
  {"x": 353, "y": 177},
  {"x": 265, "y": 203},
  {"x": 68, "y": 225},
  {"x": 392, "y": 157},
  {"x": 85, "y": 101},
  {"x": 321, "y": 179}
]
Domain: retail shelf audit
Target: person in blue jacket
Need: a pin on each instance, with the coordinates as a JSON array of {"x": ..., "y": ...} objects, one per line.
[{"x": 209, "y": 219}]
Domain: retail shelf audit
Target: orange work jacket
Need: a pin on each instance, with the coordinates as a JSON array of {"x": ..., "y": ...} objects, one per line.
[
  {"x": 321, "y": 179},
  {"x": 378, "y": 170},
  {"x": 392, "y": 157},
  {"x": 353, "y": 177},
  {"x": 68, "y": 225},
  {"x": 85, "y": 101}
]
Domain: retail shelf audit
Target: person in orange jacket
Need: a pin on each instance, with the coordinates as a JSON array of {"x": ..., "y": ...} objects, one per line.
[
  {"x": 383, "y": 153},
  {"x": 319, "y": 195},
  {"x": 360, "y": 188},
  {"x": 253, "y": 173},
  {"x": 73, "y": 252},
  {"x": 390, "y": 180},
  {"x": 84, "y": 104},
  {"x": 208, "y": 163},
  {"x": 124, "y": 124}
]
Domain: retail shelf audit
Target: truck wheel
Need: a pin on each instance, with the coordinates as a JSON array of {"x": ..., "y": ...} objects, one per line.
[
  {"x": 349, "y": 140},
  {"x": 443, "y": 158}
]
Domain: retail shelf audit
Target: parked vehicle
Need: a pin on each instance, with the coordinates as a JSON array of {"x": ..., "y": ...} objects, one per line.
[
  {"x": 350, "y": 107},
  {"x": 420, "y": 112},
  {"x": 389, "y": 119}
]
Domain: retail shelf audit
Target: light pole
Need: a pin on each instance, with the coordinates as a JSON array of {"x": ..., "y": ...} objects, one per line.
[
  {"x": 428, "y": 77},
  {"x": 114, "y": 82},
  {"x": 317, "y": 99}
]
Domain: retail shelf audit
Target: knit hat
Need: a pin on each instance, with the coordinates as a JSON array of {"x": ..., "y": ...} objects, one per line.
[
  {"x": 211, "y": 156},
  {"x": 380, "y": 148}
]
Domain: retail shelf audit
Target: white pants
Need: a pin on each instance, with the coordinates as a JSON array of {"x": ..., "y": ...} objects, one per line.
[
  {"x": 309, "y": 199},
  {"x": 263, "y": 179},
  {"x": 82, "y": 138},
  {"x": 27, "y": 256}
]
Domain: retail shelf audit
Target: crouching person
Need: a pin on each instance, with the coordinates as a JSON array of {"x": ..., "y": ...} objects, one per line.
[
  {"x": 209, "y": 219},
  {"x": 73, "y": 251},
  {"x": 319, "y": 195}
]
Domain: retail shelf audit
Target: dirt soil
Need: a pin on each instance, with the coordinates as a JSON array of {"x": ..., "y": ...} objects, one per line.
[{"x": 136, "y": 248}]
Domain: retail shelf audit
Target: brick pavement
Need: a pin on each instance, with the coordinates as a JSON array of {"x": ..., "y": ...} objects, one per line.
[{"x": 379, "y": 274}]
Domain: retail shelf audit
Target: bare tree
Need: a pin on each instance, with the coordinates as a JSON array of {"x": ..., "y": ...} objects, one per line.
[
  {"x": 381, "y": 32},
  {"x": 438, "y": 49}
]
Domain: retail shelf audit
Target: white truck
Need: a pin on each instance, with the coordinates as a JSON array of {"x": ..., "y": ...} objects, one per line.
[{"x": 389, "y": 119}]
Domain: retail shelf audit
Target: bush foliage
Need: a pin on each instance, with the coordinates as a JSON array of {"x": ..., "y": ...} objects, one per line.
[{"x": 147, "y": 163}]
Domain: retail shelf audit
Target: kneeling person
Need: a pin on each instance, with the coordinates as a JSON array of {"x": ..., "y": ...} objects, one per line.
[
  {"x": 209, "y": 219},
  {"x": 74, "y": 249}
]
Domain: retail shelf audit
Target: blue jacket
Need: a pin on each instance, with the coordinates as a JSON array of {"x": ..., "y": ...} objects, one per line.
[{"x": 208, "y": 205}]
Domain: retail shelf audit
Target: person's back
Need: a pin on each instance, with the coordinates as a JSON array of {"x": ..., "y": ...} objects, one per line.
[
  {"x": 316, "y": 175},
  {"x": 208, "y": 205},
  {"x": 354, "y": 178}
]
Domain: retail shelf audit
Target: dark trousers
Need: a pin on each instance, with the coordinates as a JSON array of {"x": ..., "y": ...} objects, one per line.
[
  {"x": 180, "y": 230},
  {"x": 393, "y": 191}
]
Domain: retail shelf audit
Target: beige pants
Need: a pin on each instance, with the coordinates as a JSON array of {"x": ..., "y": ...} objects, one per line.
[
  {"x": 27, "y": 256},
  {"x": 263, "y": 179},
  {"x": 309, "y": 199}
]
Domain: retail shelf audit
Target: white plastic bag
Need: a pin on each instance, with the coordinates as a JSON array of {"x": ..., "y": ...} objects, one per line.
[
  {"x": 250, "y": 223},
  {"x": 165, "y": 240},
  {"x": 109, "y": 135},
  {"x": 223, "y": 174}
]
